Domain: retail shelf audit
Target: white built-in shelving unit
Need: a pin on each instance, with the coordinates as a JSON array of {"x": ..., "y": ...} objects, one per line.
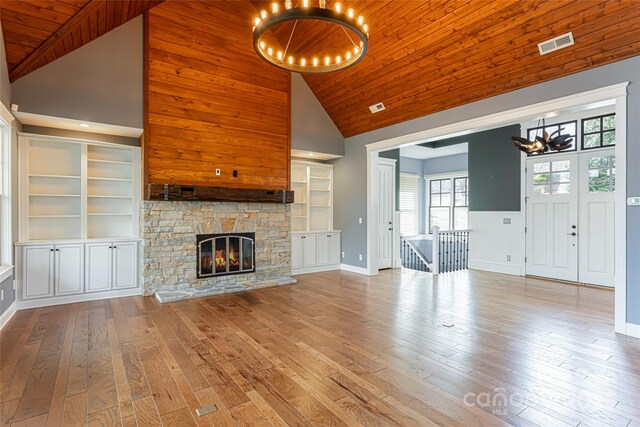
[
  {"x": 315, "y": 246},
  {"x": 78, "y": 220}
]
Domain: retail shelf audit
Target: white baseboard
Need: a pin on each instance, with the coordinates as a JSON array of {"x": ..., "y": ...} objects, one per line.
[
  {"x": 397, "y": 263},
  {"x": 632, "y": 330},
  {"x": 353, "y": 269},
  {"x": 317, "y": 269},
  {"x": 7, "y": 315},
  {"x": 69, "y": 299},
  {"x": 495, "y": 267}
]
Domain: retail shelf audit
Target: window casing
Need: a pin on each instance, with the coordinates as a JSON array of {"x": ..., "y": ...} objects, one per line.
[
  {"x": 448, "y": 202},
  {"x": 6, "y": 242},
  {"x": 409, "y": 204}
]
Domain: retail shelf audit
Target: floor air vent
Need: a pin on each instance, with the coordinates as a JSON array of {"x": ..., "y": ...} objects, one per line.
[{"x": 556, "y": 43}]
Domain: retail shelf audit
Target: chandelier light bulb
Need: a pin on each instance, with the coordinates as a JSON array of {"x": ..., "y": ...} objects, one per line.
[
  {"x": 366, "y": 28},
  {"x": 323, "y": 3},
  {"x": 348, "y": 56},
  {"x": 256, "y": 21},
  {"x": 327, "y": 60},
  {"x": 263, "y": 45},
  {"x": 338, "y": 7},
  {"x": 350, "y": 13},
  {"x": 360, "y": 20},
  {"x": 270, "y": 51},
  {"x": 263, "y": 14},
  {"x": 279, "y": 55},
  {"x": 275, "y": 7},
  {"x": 356, "y": 50},
  {"x": 305, "y": 3},
  {"x": 291, "y": 60},
  {"x": 315, "y": 62},
  {"x": 338, "y": 59},
  {"x": 303, "y": 62},
  {"x": 287, "y": 4}
]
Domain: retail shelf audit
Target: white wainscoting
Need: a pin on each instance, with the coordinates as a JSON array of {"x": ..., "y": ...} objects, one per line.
[{"x": 491, "y": 241}]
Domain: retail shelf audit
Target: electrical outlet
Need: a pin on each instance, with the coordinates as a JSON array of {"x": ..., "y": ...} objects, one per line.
[
  {"x": 506, "y": 221},
  {"x": 359, "y": 220},
  {"x": 342, "y": 254},
  {"x": 217, "y": 172},
  {"x": 360, "y": 257},
  {"x": 509, "y": 258}
]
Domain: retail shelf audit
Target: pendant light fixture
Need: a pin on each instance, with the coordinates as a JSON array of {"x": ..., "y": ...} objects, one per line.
[{"x": 342, "y": 57}]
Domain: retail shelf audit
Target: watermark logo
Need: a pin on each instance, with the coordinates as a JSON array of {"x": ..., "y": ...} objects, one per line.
[{"x": 497, "y": 400}]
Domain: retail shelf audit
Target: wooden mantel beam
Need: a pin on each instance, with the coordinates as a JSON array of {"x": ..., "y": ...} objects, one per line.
[{"x": 200, "y": 193}]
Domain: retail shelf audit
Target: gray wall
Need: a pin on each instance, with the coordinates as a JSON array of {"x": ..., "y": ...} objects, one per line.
[
  {"x": 100, "y": 82},
  {"x": 454, "y": 163},
  {"x": 5, "y": 86},
  {"x": 351, "y": 171},
  {"x": 494, "y": 169},
  {"x": 9, "y": 294},
  {"x": 311, "y": 127}
]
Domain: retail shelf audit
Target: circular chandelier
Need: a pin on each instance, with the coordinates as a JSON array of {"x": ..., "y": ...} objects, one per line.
[{"x": 339, "y": 60}]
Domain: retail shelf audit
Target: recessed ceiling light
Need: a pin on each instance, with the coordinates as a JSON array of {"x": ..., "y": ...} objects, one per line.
[{"x": 84, "y": 125}]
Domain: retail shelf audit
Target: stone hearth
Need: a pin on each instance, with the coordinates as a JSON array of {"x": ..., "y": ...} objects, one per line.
[{"x": 169, "y": 246}]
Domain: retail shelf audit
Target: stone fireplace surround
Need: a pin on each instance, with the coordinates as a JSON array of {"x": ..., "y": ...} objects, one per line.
[{"x": 169, "y": 252}]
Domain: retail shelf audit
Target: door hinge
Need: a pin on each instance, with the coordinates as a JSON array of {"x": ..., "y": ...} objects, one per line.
[
  {"x": 525, "y": 260},
  {"x": 525, "y": 229}
]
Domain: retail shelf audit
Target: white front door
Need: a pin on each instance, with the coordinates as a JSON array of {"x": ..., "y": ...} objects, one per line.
[
  {"x": 597, "y": 210},
  {"x": 386, "y": 192},
  {"x": 552, "y": 217}
]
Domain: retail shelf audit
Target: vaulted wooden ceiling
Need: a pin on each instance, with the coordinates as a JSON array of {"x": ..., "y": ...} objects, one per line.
[
  {"x": 428, "y": 56},
  {"x": 37, "y": 32}
]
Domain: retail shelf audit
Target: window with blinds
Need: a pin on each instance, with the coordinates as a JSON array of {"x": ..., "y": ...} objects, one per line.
[{"x": 408, "y": 204}]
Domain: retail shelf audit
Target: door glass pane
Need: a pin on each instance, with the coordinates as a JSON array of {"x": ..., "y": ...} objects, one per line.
[
  {"x": 539, "y": 190},
  {"x": 560, "y": 188},
  {"x": 542, "y": 167},
  {"x": 560, "y": 177},
  {"x": 562, "y": 165},
  {"x": 602, "y": 174},
  {"x": 541, "y": 178}
]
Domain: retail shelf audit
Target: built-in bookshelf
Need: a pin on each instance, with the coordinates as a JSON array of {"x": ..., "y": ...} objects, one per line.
[
  {"x": 312, "y": 184},
  {"x": 78, "y": 189}
]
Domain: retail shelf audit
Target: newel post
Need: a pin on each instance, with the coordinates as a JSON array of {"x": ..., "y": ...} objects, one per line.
[{"x": 435, "y": 250}]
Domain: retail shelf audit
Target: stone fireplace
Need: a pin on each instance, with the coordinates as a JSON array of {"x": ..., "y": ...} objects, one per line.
[{"x": 178, "y": 236}]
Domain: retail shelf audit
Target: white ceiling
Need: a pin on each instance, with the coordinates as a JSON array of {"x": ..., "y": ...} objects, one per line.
[{"x": 420, "y": 152}]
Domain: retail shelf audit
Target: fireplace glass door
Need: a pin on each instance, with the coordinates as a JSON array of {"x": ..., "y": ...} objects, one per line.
[{"x": 225, "y": 254}]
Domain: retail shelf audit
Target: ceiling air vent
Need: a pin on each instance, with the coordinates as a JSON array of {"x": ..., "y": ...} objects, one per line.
[
  {"x": 556, "y": 43},
  {"x": 377, "y": 107}
]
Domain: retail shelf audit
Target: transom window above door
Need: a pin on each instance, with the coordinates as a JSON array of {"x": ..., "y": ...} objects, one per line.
[
  {"x": 552, "y": 177},
  {"x": 599, "y": 131}
]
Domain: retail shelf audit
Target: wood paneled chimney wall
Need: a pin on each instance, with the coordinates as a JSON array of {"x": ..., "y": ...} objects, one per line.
[{"x": 210, "y": 102}]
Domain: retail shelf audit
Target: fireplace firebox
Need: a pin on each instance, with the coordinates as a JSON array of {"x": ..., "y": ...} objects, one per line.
[{"x": 222, "y": 254}]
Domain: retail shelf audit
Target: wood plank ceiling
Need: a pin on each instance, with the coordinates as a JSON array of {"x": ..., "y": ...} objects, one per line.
[
  {"x": 429, "y": 56},
  {"x": 37, "y": 32}
]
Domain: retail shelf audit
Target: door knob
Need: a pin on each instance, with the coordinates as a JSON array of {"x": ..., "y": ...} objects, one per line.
[{"x": 390, "y": 229}]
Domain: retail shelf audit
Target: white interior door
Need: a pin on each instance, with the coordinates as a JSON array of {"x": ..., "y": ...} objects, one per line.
[
  {"x": 597, "y": 210},
  {"x": 552, "y": 218},
  {"x": 386, "y": 191}
]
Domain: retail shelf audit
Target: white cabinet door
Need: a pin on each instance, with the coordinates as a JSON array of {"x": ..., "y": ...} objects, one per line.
[
  {"x": 37, "y": 273},
  {"x": 297, "y": 251},
  {"x": 68, "y": 269},
  {"x": 310, "y": 257},
  {"x": 323, "y": 249},
  {"x": 98, "y": 266},
  {"x": 125, "y": 262},
  {"x": 334, "y": 248}
]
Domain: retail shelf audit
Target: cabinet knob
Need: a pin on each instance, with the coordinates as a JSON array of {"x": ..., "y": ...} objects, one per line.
[
  {"x": 114, "y": 247},
  {"x": 51, "y": 250}
]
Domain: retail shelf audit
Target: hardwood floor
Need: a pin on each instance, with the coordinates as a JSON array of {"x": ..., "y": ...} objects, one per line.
[{"x": 470, "y": 348}]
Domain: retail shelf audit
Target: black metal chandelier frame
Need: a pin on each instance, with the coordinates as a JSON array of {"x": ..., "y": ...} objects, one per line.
[{"x": 303, "y": 64}]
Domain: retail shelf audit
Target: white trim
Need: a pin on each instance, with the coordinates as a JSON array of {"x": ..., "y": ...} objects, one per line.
[
  {"x": 5, "y": 272},
  {"x": 515, "y": 115},
  {"x": 6, "y": 115},
  {"x": 444, "y": 175},
  {"x": 518, "y": 115},
  {"x": 632, "y": 330},
  {"x": 6, "y": 208},
  {"x": 353, "y": 269},
  {"x": 7, "y": 315},
  {"x": 620, "y": 230},
  {"x": 317, "y": 269},
  {"x": 45, "y": 302},
  {"x": 496, "y": 267}
]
